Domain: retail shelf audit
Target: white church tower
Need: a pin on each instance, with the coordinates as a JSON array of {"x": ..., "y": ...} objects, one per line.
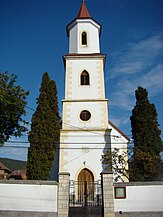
[{"x": 85, "y": 133}]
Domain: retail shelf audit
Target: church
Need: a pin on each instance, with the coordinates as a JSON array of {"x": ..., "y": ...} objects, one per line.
[{"x": 86, "y": 132}]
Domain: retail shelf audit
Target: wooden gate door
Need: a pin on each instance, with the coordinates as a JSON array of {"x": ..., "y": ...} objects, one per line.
[
  {"x": 85, "y": 186},
  {"x": 85, "y": 196}
]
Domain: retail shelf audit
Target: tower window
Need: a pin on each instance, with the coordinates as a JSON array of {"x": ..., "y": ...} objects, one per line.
[
  {"x": 84, "y": 78},
  {"x": 84, "y": 38},
  {"x": 85, "y": 115}
]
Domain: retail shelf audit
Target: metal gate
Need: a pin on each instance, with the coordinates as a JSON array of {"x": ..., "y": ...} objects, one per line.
[{"x": 85, "y": 199}]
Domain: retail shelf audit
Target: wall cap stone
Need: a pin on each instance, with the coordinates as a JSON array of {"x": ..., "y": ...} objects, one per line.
[
  {"x": 64, "y": 173},
  {"x": 28, "y": 182},
  {"x": 119, "y": 184}
]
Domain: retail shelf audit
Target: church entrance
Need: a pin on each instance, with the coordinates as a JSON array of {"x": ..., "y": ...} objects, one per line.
[
  {"x": 85, "y": 196},
  {"x": 85, "y": 186}
]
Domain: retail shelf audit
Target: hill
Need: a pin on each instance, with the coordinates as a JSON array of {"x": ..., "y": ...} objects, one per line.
[{"x": 13, "y": 164}]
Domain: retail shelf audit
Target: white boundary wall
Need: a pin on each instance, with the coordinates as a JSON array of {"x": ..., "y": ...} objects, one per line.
[
  {"x": 141, "y": 197},
  {"x": 42, "y": 196},
  {"x": 35, "y": 196}
]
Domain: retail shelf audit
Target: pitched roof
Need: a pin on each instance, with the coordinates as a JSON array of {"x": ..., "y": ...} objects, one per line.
[
  {"x": 116, "y": 128},
  {"x": 3, "y": 167},
  {"x": 83, "y": 12}
]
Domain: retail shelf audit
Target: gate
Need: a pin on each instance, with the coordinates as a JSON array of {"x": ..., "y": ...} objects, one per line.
[{"x": 85, "y": 199}]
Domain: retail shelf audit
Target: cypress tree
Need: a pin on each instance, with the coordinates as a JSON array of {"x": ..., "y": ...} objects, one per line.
[
  {"x": 45, "y": 131},
  {"x": 146, "y": 161}
]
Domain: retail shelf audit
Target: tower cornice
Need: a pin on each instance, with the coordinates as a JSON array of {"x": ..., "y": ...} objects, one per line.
[
  {"x": 77, "y": 20},
  {"x": 84, "y": 56}
]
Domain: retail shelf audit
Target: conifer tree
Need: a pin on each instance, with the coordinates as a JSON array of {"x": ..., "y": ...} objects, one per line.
[
  {"x": 146, "y": 161},
  {"x": 45, "y": 131}
]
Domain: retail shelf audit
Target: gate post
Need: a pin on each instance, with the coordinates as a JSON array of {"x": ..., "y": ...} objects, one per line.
[
  {"x": 63, "y": 194},
  {"x": 107, "y": 194}
]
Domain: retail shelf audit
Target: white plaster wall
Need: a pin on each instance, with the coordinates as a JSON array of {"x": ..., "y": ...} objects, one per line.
[
  {"x": 92, "y": 30},
  {"x": 119, "y": 142},
  {"x": 28, "y": 197},
  {"x": 84, "y": 150},
  {"x": 73, "y": 40},
  {"x": 117, "y": 138},
  {"x": 95, "y": 69},
  {"x": 98, "y": 110},
  {"x": 141, "y": 199}
]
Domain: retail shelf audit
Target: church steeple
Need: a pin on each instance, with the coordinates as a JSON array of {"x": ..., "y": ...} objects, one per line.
[
  {"x": 83, "y": 12},
  {"x": 84, "y": 33}
]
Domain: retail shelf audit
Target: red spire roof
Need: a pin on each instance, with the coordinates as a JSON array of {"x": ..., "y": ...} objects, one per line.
[{"x": 83, "y": 12}]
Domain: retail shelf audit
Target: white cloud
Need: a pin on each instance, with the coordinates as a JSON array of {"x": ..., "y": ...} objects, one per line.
[
  {"x": 153, "y": 80},
  {"x": 119, "y": 121},
  {"x": 136, "y": 57},
  {"x": 140, "y": 64},
  {"x": 15, "y": 150},
  {"x": 14, "y": 153},
  {"x": 124, "y": 96}
]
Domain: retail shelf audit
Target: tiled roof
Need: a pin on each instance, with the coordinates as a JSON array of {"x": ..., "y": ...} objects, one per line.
[
  {"x": 83, "y": 12},
  {"x": 3, "y": 167}
]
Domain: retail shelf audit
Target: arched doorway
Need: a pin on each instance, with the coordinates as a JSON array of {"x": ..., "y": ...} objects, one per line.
[{"x": 85, "y": 186}]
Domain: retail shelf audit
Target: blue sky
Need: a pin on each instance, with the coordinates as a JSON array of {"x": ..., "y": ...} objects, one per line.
[{"x": 33, "y": 39}]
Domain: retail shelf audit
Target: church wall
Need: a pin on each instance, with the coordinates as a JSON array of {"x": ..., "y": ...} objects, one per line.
[
  {"x": 92, "y": 38},
  {"x": 73, "y": 40},
  {"x": 84, "y": 150},
  {"x": 98, "y": 110},
  {"x": 119, "y": 142},
  {"x": 80, "y": 92}
]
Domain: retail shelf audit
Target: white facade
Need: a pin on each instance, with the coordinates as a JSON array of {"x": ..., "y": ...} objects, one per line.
[
  {"x": 84, "y": 141},
  {"x": 75, "y": 30},
  {"x": 94, "y": 65}
]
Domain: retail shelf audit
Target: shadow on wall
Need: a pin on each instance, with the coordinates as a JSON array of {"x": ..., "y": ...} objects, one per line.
[
  {"x": 55, "y": 168},
  {"x": 106, "y": 159}
]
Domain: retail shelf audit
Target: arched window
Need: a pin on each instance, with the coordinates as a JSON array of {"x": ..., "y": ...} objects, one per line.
[
  {"x": 84, "y": 38},
  {"x": 85, "y": 115},
  {"x": 84, "y": 78}
]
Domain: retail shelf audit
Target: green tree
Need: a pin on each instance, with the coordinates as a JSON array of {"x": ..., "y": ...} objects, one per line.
[
  {"x": 45, "y": 131},
  {"x": 146, "y": 161},
  {"x": 12, "y": 107}
]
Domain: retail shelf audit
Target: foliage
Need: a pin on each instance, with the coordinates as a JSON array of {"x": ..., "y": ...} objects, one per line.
[
  {"x": 119, "y": 161},
  {"x": 45, "y": 131},
  {"x": 12, "y": 107},
  {"x": 146, "y": 160}
]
